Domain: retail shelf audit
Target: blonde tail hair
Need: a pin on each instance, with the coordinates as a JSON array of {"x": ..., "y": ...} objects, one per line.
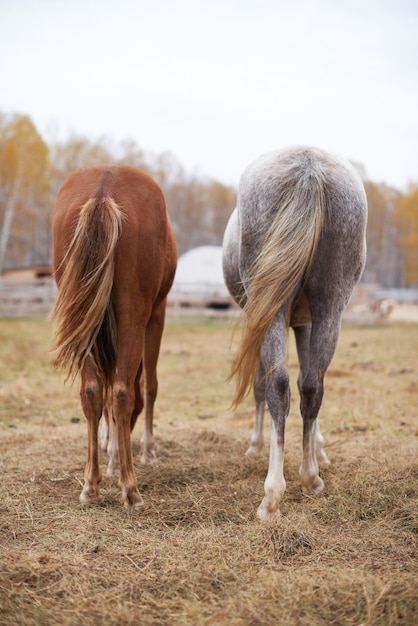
[
  {"x": 283, "y": 263},
  {"x": 83, "y": 315}
]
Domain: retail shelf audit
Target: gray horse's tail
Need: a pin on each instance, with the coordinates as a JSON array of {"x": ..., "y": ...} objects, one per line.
[{"x": 287, "y": 253}]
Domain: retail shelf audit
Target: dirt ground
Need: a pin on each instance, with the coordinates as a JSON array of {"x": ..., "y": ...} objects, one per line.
[{"x": 196, "y": 554}]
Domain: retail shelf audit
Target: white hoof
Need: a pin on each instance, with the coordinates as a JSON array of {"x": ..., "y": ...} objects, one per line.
[
  {"x": 148, "y": 457},
  {"x": 315, "y": 488},
  {"x": 266, "y": 514},
  {"x": 254, "y": 449}
]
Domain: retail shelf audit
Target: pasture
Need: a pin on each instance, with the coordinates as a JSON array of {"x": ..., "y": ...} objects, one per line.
[{"x": 196, "y": 554}]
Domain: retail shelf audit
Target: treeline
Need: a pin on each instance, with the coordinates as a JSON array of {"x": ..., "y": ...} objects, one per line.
[{"x": 31, "y": 172}]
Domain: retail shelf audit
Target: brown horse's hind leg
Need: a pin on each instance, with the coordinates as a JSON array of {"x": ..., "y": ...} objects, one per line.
[
  {"x": 112, "y": 445},
  {"x": 152, "y": 349},
  {"x": 123, "y": 400},
  {"x": 92, "y": 403},
  {"x": 130, "y": 350},
  {"x": 139, "y": 397}
]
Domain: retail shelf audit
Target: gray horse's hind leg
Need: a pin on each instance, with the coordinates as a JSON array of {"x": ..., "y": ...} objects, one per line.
[
  {"x": 257, "y": 438},
  {"x": 303, "y": 336},
  {"x": 323, "y": 342},
  {"x": 273, "y": 356}
]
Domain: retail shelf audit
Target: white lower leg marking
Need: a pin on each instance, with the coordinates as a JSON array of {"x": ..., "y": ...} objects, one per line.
[
  {"x": 149, "y": 454},
  {"x": 321, "y": 455},
  {"x": 312, "y": 484},
  {"x": 275, "y": 484},
  {"x": 88, "y": 494},
  {"x": 103, "y": 433},
  {"x": 257, "y": 438}
]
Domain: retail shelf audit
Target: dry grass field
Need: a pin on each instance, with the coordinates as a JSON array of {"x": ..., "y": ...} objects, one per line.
[{"x": 196, "y": 554}]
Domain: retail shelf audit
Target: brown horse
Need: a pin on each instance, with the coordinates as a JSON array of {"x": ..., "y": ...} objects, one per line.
[{"x": 114, "y": 259}]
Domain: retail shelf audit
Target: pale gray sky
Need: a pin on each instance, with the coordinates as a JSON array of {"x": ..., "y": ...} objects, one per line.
[{"x": 221, "y": 81}]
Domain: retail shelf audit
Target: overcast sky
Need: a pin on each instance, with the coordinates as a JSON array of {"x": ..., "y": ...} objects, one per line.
[{"x": 221, "y": 81}]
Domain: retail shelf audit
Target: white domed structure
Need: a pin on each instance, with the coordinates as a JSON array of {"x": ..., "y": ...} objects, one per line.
[{"x": 199, "y": 273}]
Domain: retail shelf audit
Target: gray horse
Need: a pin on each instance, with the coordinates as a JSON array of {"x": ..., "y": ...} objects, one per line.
[{"x": 293, "y": 250}]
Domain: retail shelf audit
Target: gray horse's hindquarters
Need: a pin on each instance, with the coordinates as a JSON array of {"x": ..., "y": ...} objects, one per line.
[{"x": 295, "y": 241}]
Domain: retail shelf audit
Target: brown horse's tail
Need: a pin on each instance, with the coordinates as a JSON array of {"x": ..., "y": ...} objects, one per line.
[
  {"x": 299, "y": 214},
  {"x": 83, "y": 313}
]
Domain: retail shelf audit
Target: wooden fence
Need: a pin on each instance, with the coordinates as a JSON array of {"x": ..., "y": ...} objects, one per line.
[
  {"x": 34, "y": 297},
  {"x": 31, "y": 297}
]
